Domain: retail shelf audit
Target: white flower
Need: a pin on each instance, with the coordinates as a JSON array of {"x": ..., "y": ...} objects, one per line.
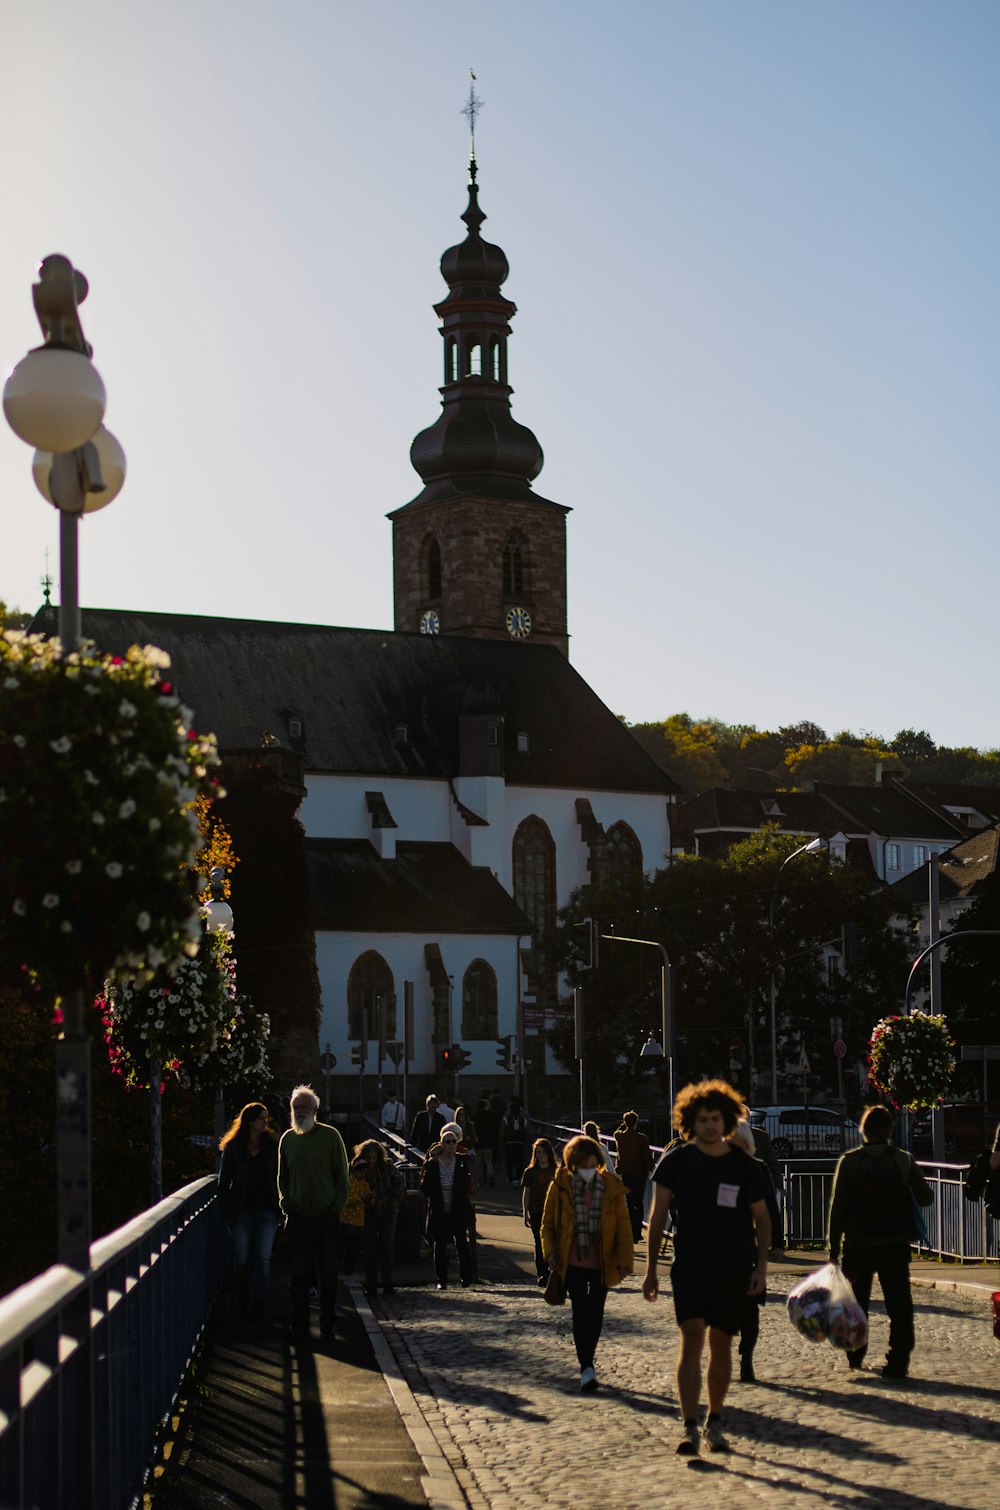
[
  {"x": 97, "y": 818},
  {"x": 74, "y": 867},
  {"x": 91, "y": 690},
  {"x": 10, "y": 682},
  {"x": 154, "y": 825},
  {"x": 20, "y": 741},
  {"x": 113, "y": 869},
  {"x": 65, "y": 926},
  {"x": 143, "y": 922},
  {"x": 90, "y": 778},
  {"x": 127, "y": 808},
  {"x": 127, "y": 709},
  {"x": 62, "y": 746},
  {"x": 20, "y": 907},
  {"x": 50, "y": 900}
]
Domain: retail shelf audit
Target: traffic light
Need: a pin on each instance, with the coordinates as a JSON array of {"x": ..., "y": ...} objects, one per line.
[
  {"x": 359, "y": 1053},
  {"x": 504, "y": 1046},
  {"x": 590, "y": 943},
  {"x": 460, "y": 1057},
  {"x": 445, "y": 1061}
]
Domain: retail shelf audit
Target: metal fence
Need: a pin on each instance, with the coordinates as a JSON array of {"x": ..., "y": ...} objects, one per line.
[{"x": 91, "y": 1364}]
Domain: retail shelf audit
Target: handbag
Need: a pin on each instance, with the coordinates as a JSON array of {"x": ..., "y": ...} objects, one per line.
[{"x": 554, "y": 1293}]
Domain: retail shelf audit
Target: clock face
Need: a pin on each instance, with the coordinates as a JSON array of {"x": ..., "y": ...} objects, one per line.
[
  {"x": 518, "y": 623},
  {"x": 430, "y": 623}
]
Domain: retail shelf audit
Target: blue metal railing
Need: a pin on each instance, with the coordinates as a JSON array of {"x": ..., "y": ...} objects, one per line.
[{"x": 91, "y": 1364}]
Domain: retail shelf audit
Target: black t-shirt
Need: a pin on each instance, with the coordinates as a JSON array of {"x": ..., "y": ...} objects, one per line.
[{"x": 713, "y": 1228}]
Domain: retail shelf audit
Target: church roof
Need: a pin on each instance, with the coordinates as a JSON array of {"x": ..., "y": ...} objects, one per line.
[
  {"x": 384, "y": 703},
  {"x": 427, "y": 888}
]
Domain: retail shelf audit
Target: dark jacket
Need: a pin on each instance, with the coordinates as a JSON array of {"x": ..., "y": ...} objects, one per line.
[
  {"x": 425, "y": 1129},
  {"x": 766, "y": 1154},
  {"x": 236, "y": 1168},
  {"x": 462, "y": 1191},
  {"x": 635, "y": 1158},
  {"x": 870, "y": 1206}
]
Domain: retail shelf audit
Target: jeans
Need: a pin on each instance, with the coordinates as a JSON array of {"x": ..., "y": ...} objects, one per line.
[
  {"x": 587, "y": 1293},
  {"x": 253, "y": 1232},
  {"x": 446, "y": 1227},
  {"x": 635, "y": 1191},
  {"x": 535, "y": 1221},
  {"x": 380, "y": 1234},
  {"x": 891, "y": 1262},
  {"x": 312, "y": 1252},
  {"x": 514, "y": 1154}
]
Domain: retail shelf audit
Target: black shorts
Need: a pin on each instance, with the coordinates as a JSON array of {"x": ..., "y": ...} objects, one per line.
[{"x": 716, "y": 1299}]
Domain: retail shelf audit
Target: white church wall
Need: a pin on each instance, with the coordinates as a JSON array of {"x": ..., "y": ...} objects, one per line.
[
  {"x": 645, "y": 814},
  {"x": 334, "y": 807}
]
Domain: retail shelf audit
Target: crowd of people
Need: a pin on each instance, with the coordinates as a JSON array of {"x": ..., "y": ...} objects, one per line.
[{"x": 717, "y": 1186}]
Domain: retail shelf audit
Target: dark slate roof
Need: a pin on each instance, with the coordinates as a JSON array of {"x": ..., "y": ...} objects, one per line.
[
  {"x": 887, "y": 810},
  {"x": 427, "y": 888},
  {"x": 742, "y": 810},
  {"x": 940, "y": 795},
  {"x": 961, "y": 871},
  {"x": 352, "y": 688}
]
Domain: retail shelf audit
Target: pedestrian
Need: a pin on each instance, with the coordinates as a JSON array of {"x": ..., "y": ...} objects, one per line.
[
  {"x": 764, "y": 1149},
  {"x": 352, "y": 1218},
  {"x": 449, "y": 1191},
  {"x": 312, "y": 1192},
  {"x": 592, "y": 1130},
  {"x": 487, "y": 1129},
  {"x": 635, "y": 1160},
  {"x": 394, "y": 1116},
  {"x": 513, "y": 1131},
  {"x": 713, "y": 1190},
  {"x": 874, "y": 1189},
  {"x": 535, "y": 1182},
  {"x": 744, "y": 1138},
  {"x": 248, "y": 1199},
  {"x": 587, "y": 1240},
  {"x": 384, "y": 1195},
  {"x": 427, "y": 1125},
  {"x": 470, "y": 1136}
]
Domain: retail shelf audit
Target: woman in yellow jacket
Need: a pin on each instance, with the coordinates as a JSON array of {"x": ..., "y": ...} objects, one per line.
[{"x": 587, "y": 1238}]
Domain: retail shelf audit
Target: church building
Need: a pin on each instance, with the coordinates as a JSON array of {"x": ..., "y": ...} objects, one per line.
[{"x": 455, "y": 778}]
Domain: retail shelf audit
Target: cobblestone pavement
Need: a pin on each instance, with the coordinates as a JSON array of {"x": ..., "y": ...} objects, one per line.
[{"x": 494, "y": 1372}]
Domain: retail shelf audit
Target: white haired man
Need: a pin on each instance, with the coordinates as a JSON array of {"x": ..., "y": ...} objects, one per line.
[{"x": 312, "y": 1192}]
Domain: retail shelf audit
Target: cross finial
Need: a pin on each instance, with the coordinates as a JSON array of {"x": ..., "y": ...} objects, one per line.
[
  {"x": 46, "y": 581},
  {"x": 470, "y": 110}
]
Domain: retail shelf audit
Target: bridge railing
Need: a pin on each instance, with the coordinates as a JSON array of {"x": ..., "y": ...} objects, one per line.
[{"x": 91, "y": 1364}]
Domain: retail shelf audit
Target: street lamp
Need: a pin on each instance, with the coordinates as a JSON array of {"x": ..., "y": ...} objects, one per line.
[
  {"x": 54, "y": 399},
  {"x": 814, "y": 847}
]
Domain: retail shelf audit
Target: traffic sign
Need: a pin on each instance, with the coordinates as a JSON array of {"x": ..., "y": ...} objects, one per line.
[
  {"x": 736, "y": 1047},
  {"x": 840, "y": 1048},
  {"x": 805, "y": 1068},
  {"x": 328, "y": 1061}
]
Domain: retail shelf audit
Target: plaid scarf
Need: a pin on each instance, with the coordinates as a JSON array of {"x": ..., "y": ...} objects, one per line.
[{"x": 587, "y": 1224}]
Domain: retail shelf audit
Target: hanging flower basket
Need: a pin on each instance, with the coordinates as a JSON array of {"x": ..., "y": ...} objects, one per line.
[
  {"x": 912, "y": 1060},
  {"x": 99, "y": 774}
]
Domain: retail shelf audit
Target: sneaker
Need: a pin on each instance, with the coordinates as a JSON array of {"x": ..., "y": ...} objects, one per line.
[
  {"x": 588, "y": 1381},
  {"x": 689, "y": 1445},
  {"x": 714, "y": 1440}
]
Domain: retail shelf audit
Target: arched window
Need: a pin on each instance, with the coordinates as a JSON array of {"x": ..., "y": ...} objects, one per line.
[
  {"x": 370, "y": 986},
  {"x": 432, "y": 568},
  {"x": 495, "y": 359},
  {"x": 475, "y": 363},
  {"x": 624, "y": 853},
  {"x": 479, "y": 1001},
  {"x": 534, "y": 876},
  {"x": 451, "y": 361},
  {"x": 513, "y": 568}
]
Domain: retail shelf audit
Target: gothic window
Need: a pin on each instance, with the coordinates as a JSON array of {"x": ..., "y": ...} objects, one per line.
[
  {"x": 451, "y": 361},
  {"x": 534, "y": 856},
  {"x": 370, "y": 984},
  {"x": 432, "y": 568},
  {"x": 513, "y": 568},
  {"x": 475, "y": 367},
  {"x": 624, "y": 853},
  {"x": 479, "y": 1001}
]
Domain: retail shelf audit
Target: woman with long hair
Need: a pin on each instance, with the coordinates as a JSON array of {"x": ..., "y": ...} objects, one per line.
[
  {"x": 383, "y": 1199},
  {"x": 587, "y": 1240},
  {"x": 535, "y": 1182},
  {"x": 248, "y": 1196}
]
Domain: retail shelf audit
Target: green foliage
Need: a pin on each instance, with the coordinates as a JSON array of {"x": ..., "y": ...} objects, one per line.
[{"x": 912, "y": 1060}]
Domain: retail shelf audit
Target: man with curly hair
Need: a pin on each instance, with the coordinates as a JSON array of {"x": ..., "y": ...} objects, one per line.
[{"x": 716, "y": 1194}]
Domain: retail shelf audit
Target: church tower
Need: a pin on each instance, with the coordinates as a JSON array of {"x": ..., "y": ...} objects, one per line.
[{"x": 477, "y": 552}]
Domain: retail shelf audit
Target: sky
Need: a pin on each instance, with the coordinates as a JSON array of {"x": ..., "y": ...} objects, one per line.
[{"x": 753, "y": 245}]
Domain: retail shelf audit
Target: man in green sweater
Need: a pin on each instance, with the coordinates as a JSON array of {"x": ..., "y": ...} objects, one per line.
[
  {"x": 870, "y": 1213},
  {"x": 312, "y": 1192}
]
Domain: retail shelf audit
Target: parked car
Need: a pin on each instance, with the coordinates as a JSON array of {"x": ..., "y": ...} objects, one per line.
[
  {"x": 805, "y": 1129},
  {"x": 969, "y": 1127}
]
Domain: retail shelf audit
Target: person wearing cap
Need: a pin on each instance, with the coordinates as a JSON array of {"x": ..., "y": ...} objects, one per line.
[{"x": 448, "y": 1188}]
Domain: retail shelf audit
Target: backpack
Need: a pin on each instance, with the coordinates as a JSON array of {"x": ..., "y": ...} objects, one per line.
[{"x": 880, "y": 1199}]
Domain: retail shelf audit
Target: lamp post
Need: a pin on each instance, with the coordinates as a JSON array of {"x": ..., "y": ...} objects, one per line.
[
  {"x": 814, "y": 847},
  {"x": 54, "y": 400}
]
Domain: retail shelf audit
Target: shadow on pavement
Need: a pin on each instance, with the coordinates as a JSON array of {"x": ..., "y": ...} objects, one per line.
[
  {"x": 831, "y": 1488},
  {"x": 893, "y": 1400}
]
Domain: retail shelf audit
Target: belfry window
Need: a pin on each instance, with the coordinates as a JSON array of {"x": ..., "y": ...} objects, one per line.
[
  {"x": 513, "y": 569},
  {"x": 495, "y": 359},
  {"x": 451, "y": 361},
  {"x": 475, "y": 367},
  {"x": 434, "y": 569}
]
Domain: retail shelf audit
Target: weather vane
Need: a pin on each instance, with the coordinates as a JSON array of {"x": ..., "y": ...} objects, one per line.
[
  {"x": 46, "y": 581},
  {"x": 470, "y": 110}
]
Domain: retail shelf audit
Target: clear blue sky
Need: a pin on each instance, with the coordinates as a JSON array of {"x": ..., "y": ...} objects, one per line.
[{"x": 754, "y": 248}]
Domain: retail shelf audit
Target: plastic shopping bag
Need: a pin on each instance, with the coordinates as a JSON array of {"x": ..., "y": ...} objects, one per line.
[{"x": 823, "y": 1308}]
